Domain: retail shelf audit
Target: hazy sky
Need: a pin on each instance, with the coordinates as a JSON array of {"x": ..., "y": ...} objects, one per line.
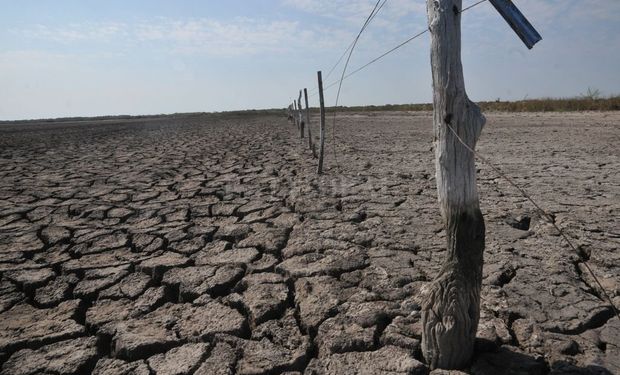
[{"x": 91, "y": 57}]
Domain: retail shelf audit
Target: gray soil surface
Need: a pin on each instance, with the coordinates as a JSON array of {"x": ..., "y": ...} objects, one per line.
[{"x": 209, "y": 245}]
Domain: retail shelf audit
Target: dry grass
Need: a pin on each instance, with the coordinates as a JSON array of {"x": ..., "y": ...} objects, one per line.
[
  {"x": 588, "y": 102},
  {"x": 555, "y": 105},
  {"x": 583, "y": 103}
]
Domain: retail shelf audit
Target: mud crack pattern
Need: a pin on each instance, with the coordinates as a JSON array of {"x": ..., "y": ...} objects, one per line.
[{"x": 208, "y": 245}]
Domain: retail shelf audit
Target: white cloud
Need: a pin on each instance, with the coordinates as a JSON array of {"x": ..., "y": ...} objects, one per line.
[
  {"x": 356, "y": 11},
  {"x": 237, "y": 37},
  {"x": 241, "y": 36},
  {"x": 74, "y": 32},
  {"x": 396, "y": 21},
  {"x": 334, "y": 8},
  {"x": 585, "y": 11},
  {"x": 556, "y": 13}
]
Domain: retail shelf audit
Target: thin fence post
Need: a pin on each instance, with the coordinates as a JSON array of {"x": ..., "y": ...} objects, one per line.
[
  {"x": 301, "y": 120},
  {"x": 295, "y": 117},
  {"x": 310, "y": 141},
  {"x": 289, "y": 113},
  {"x": 322, "y": 126}
]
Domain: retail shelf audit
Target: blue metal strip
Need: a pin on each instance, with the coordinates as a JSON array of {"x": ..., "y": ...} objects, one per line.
[{"x": 518, "y": 22}]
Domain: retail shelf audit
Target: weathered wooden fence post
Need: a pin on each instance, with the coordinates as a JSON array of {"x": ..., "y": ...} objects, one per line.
[
  {"x": 310, "y": 140},
  {"x": 295, "y": 116},
  {"x": 451, "y": 305},
  {"x": 322, "y": 124},
  {"x": 300, "y": 114},
  {"x": 289, "y": 112}
]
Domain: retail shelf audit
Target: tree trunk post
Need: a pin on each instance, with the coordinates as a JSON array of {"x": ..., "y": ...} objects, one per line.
[
  {"x": 322, "y": 124},
  {"x": 451, "y": 302}
]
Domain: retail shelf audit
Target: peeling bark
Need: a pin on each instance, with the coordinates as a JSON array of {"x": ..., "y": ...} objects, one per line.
[{"x": 451, "y": 307}]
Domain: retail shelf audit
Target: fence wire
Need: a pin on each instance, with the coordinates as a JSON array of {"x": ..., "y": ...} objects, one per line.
[
  {"x": 391, "y": 50},
  {"x": 543, "y": 214},
  {"x": 540, "y": 210}
]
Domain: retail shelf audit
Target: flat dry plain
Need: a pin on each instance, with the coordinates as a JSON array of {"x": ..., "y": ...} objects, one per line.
[{"x": 208, "y": 245}]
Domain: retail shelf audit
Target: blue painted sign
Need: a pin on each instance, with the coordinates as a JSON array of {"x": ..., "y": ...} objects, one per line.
[{"x": 518, "y": 22}]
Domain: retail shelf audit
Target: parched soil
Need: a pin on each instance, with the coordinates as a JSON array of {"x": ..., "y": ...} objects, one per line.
[{"x": 209, "y": 245}]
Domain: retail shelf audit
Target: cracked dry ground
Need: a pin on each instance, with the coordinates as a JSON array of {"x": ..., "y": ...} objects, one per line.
[{"x": 208, "y": 245}]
